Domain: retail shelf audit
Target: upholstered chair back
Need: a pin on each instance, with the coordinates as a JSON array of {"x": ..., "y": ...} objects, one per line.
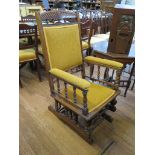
[
  {"x": 60, "y": 39},
  {"x": 63, "y": 46}
]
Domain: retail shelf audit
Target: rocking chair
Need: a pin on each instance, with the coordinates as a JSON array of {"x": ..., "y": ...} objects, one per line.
[{"x": 79, "y": 103}]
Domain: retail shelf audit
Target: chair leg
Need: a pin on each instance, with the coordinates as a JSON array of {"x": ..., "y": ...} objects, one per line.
[
  {"x": 32, "y": 66},
  {"x": 38, "y": 69},
  {"x": 133, "y": 85},
  {"x": 20, "y": 83},
  {"x": 106, "y": 73},
  {"x": 129, "y": 80}
]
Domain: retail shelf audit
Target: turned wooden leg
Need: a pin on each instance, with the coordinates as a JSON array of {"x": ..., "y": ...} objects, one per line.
[
  {"x": 90, "y": 51},
  {"x": 133, "y": 85},
  {"x": 91, "y": 70},
  {"x": 20, "y": 83},
  {"x": 106, "y": 73},
  {"x": 56, "y": 105},
  {"x": 89, "y": 140},
  {"x": 112, "y": 106},
  {"x": 129, "y": 80},
  {"x": 38, "y": 69},
  {"x": 89, "y": 132},
  {"x": 32, "y": 65},
  {"x": 107, "y": 117}
]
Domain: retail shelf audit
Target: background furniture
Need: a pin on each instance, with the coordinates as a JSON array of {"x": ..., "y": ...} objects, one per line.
[
  {"x": 120, "y": 45},
  {"x": 86, "y": 34},
  {"x": 28, "y": 52},
  {"x": 125, "y": 59},
  {"x": 122, "y": 29}
]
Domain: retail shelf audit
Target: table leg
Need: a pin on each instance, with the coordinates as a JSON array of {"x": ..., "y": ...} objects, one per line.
[
  {"x": 129, "y": 80},
  {"x": 133, "y": 85}
]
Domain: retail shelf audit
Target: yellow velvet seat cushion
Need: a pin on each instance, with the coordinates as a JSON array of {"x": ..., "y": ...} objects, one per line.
[
  {"x": 27, "y": 55},
  {"x": 85, "y": 45},
  {"x": 70, "y": 78},
  {"x": 104, "y": 62},
  {"x": 97, "y": 95}
]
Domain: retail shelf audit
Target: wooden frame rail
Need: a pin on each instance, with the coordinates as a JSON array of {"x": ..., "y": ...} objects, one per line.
[
  {"x": 74, "y": 102},
  {"x": 114, "y": 84}
]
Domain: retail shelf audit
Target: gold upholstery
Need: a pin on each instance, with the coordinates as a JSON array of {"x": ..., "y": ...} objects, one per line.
[
  {"x": 27, "y": 55},
  {"x": 104, "y": 62},
  {"x": 85, "y": 45},
  {"x": 63, "y": 46},
  {"x": 70, "y": 78},
  {"x": 97, "y": 95}
]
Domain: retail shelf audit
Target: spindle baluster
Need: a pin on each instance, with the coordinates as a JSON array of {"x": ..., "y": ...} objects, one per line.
[{"x": 74, "y": 95}]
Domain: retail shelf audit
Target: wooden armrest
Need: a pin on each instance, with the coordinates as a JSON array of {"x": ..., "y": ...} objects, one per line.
[
  {"x": 104, "y": 62},
  {"x": 71, "y": 79},
  {"x": 76, "y": 82}
]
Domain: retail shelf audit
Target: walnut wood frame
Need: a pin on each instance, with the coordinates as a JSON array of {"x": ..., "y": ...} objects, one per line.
[{"x": 69, "y": 111}]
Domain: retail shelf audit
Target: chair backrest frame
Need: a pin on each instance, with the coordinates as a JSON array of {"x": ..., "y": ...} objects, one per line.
[
  {"x": 52, "y": 16},
  {"x": 28, "y": 31}
]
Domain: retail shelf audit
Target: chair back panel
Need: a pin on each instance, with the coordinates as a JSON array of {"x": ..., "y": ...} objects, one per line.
[
  {"x": 63, "y": 46},
  {"x": 26, "y": 32}
]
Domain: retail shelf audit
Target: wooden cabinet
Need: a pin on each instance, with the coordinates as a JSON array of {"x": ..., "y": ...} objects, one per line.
[{"x": 122, "y": 29}]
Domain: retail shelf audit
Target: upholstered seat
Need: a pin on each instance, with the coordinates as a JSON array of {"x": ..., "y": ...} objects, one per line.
[
  {"x": 27, "y": 55},
  {"x": 97, "y": 96},
  {"x": 85, "y": 45}
]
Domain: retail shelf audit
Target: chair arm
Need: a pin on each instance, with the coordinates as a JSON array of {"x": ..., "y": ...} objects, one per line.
[
  {"x": 71, "y": 79},
  {"x": 104, "y": 62}
]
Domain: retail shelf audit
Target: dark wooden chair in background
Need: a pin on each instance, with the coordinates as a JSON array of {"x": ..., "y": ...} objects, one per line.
[
  {"x": 28, "y": 52},
  {"x": 79, "y": 103},
  {"x": 120, "y": 44},
  {"x": 106, "y": 20},
  {"x": 86, "y": 34},
  {"x": 31, "y": 20}
]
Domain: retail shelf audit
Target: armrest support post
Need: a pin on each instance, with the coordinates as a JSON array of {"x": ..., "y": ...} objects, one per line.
[
  {"x": 85, "y": 106},
  {"x": 58, "y": 86},
  {"x": 51, "y": 83},
  {"x": 98, "y": 72},
  {"x": 117, "y": 79},
  {"x": 66, "y": 91},
  {"x": 74, "y": 95}
]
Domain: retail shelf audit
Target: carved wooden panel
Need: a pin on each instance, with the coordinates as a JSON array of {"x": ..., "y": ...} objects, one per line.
[{"x": 122, "y": 29}]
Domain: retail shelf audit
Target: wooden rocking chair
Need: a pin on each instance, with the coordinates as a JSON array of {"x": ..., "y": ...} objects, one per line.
[{"x": 79, "y": 103}]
